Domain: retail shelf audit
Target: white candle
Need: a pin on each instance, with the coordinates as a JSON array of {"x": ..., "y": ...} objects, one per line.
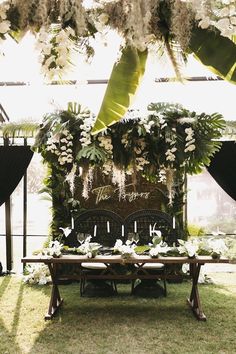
[
  {"x": 95, "y": 230},
  {"x": 108, "y": 226},
  {"x": 122, "y": 230},
  {"x": 150, "y": 230},
  {"x": 173, "y": 222},
  {"x": 135, "y": 226},
  {"x": 72, "y": 223}
]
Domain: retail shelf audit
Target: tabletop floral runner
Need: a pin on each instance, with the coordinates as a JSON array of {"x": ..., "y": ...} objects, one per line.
[
  {"x": 208, "y": 246},
  {"x": 194, "y": 247}
]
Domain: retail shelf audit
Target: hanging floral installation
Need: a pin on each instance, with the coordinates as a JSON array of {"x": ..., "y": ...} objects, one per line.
[
  {"x": 162, "y": 143},
  {"x": 205, "y": 28}
]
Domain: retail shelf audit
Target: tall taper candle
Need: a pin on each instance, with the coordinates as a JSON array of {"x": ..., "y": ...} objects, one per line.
[
  {"x": 173, "y": 222},
  {"x": 72, "y": 223}
]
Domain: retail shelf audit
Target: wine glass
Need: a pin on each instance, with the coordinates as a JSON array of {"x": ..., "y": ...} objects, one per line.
[
  {"x": 80, "y": 237},
  {"x": 133, "y": 237}
]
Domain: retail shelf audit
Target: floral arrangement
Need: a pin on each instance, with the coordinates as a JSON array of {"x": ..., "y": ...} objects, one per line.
[
  {"x": 37, "y": 274},
  {"x": 188, "y": 248},
  {"x": 216, "y": 247},
  {"x": 159, "y": 247},
  {"x": 162, "y": 143},
  {"x": 126, "y": 250},
  {"x": 61, "y": 27},
  {"x": 191, "y": 248},
  {"x": 54, "y": 249},
  {"x": 89, "y": 249}
]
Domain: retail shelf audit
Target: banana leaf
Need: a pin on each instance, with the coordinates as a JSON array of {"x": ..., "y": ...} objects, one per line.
[
  {"x": 122, "y": 86},
  {"x": 218, "y": 53}
]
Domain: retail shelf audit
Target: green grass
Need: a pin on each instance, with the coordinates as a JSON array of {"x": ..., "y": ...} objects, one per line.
[{"x": 122, "y": 324}]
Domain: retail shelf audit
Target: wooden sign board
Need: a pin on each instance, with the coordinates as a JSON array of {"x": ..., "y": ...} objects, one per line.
[{"x": 138, "y": 194}]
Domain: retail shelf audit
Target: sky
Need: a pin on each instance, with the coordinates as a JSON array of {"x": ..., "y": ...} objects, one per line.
[{"x": 31, "y": 102}]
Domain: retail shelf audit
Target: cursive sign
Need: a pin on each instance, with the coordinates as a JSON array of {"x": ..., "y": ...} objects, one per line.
[{"x": 107, "y": 192}]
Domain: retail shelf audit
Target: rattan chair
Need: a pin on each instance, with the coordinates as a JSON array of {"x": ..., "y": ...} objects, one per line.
[
  {"x": 144, "y": 223},
  {"x": 105, "y": 227}
]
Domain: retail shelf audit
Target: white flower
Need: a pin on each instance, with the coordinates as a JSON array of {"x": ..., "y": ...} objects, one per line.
[
  {"x": 103, "y": 18},
  {"x": 4, "y": 26},
  {"x": 190, "y": 148},
  {"x": 205, "y": 23},
  {"x": 169, "y": 155},
  {"x": 63, "y": 140},
  {"x": 118, "y": 244},
  {"x": 217, "y": 246},
  {"x": 61, "y": 60},
  {"x": 47, "y": 49},
  {"x": 233, "y": 20},
  {"x": 126, "y": 250},
  {"x": 223, "y": 24},
  {"x": 66, "y": 231},
  {"x": 187, "y": 120},
  {"x": 61, "y": 37},
  {"x": 190, "y": 247},
  {"x": 224, "y": 12}
]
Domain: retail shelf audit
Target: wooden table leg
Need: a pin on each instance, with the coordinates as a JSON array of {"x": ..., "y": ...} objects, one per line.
[
  {"x": 194, "y": 300},
  {"x": 55, "y": 300}
]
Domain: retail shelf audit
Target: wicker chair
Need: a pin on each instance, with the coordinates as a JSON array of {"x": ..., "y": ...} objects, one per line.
[
  {"x": 141, "y": 223},
  {"x": 105, "y": 227}
]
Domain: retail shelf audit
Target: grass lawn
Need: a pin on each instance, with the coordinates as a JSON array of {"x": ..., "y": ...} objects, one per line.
[{"x": 122, "y": 324}]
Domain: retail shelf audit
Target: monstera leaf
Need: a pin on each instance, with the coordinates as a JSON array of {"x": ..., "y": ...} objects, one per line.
[
  {"x": 123, "y": 83},
  {"x": 93, "y": 153},
  {"x": 218, "y": 53}
]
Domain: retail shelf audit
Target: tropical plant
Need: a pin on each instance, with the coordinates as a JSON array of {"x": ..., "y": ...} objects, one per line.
[{"x": 162, "y": 145}]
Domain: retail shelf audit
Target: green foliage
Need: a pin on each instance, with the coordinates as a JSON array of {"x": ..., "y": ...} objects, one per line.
[
  {"x": 92, "y": 153},
  {"x": 218, "y": 53},
  {"x": 122, "y": 86},
  {"x": 23, "y": 129},
  {"x": 195, "y": 230},
  {"x": 152, "y": 145}
]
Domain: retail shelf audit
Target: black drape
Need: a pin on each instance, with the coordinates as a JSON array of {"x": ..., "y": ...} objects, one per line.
[
  {"x": 14, "y": 161},
  {"x": 223, "y": 168}
]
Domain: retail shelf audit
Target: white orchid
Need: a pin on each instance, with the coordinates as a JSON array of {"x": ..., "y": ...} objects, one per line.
[
  {"x": 54, "y": 249},
  {"x": 160, "y": 249},
  {"x": 217, "y": 247},
  {"x": 126, "y": 250},
  {"x": 189, "y": 248},
  {"x": 88, "y": 248},
  {"x": 4, "y": 26}
]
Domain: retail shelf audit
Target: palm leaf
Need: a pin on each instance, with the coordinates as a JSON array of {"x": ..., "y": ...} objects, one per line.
[
  {"x": 218, "y": 53},
  {"x": 19, "y": 130},
  {"x": 123, "y": 83}
]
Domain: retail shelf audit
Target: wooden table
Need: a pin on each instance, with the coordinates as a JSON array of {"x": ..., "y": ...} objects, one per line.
[{"x": 138, "y": 273}]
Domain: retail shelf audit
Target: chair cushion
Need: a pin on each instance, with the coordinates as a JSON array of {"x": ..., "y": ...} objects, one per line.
[
  {"x": 91, "y": 266},
  {"x": 157, "y": 266}
]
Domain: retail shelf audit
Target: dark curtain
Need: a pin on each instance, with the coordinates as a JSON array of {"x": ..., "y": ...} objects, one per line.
[
  {"x": 223, "y": 168},
  {"x": 14, "y": 161}
]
